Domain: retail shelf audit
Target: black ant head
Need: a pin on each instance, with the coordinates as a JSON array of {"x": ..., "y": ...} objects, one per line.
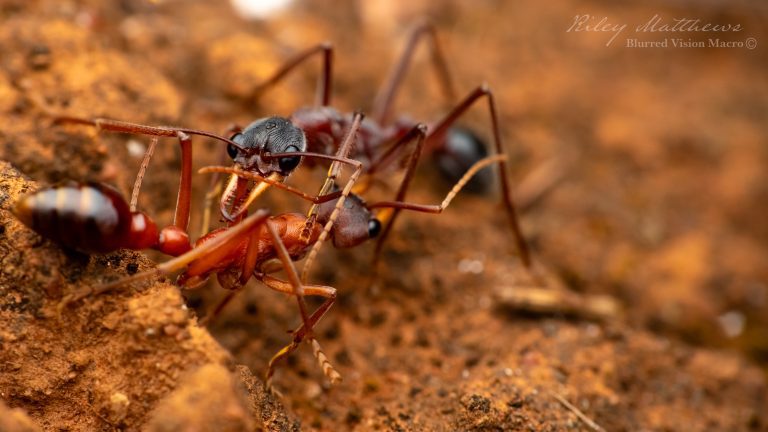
[
  {"x": 264, "y": 137},
  {"x": 354, "y": 223}
]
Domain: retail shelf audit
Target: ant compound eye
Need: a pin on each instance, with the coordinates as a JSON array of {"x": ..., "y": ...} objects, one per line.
[
  {"x": 288, "y": 164},
  {"x": 374, "y": 227},
  {"x": 231, "y": 151}
]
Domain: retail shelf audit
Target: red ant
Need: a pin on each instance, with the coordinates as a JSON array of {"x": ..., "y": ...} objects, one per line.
[{"x": 70, "y": 215}]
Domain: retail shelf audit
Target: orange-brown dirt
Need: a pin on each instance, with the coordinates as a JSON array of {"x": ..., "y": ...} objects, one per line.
[{"x": 652, "y": 246}]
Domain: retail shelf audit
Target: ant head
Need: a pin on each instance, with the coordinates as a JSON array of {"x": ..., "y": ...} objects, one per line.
[
  {"x": 354, "y": 223},
  {"x": 268, "y": 136},
  {"x": 263, "y": 137}
]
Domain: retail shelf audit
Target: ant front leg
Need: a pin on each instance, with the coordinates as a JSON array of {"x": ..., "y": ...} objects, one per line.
[
  {"x": 439, "y": 132},
  {"x": 438, "y": 208},
  {"x": 140, "y": 175},
  {"x": 333, "y": 171}
]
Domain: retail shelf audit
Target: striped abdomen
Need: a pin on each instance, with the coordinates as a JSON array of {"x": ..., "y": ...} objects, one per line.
[{"x": 88, "y": 217}]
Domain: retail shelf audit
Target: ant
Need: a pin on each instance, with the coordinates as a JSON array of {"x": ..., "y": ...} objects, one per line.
[
  {"x": 70, "y": 214},
  {"x": 234, "y": 253},
  {"x": 273, "y": 147},
  {"x": 383, "y": 141}
]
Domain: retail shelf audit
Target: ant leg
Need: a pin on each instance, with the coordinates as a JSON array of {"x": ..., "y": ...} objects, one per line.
[
  {"x": 140, "y": 175},
  {"x": 323, "y": 96},
  {"x": 296, "y": 288},
  {"x": 382, "y": 105},
  {"x": 333, "y": 172},
  {"x": 249, "y": 266},
  {"x": 290, "y": 270},
  {"x": 184, "y": 197},
  {"x": 211, "y": 316},
  {"x": 438, "y": 208},
  {"x": 441, "y": 128},
  {"x": 425, "y": 208}
]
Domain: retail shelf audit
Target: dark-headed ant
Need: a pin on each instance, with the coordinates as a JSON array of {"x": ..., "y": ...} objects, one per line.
[
  {"x": 383, "y": 142},
  {"x": 273, "y": 147}
]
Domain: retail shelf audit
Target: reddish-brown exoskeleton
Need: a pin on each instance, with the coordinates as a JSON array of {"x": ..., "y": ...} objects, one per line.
[{"x": 95, "y": 218}]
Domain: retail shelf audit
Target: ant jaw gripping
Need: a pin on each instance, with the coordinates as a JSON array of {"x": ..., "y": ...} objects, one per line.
[
  {"x": 255, "y": 144},
  {"x": 232, "y": 203}
]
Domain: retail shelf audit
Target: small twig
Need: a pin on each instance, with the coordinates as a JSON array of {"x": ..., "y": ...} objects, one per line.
[{"x": 583, "y": 417}]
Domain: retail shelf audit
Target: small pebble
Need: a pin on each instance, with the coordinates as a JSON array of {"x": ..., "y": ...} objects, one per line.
[{"x": 732, "y": 323}]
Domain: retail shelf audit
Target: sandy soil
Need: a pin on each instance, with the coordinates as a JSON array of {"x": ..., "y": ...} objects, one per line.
[{"x": 652, "y": 247}]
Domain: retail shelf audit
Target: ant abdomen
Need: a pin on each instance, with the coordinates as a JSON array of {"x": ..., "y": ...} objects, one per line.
[
  {"x": 88, "y": 217},
  {"x": 461, "y": 149}
]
